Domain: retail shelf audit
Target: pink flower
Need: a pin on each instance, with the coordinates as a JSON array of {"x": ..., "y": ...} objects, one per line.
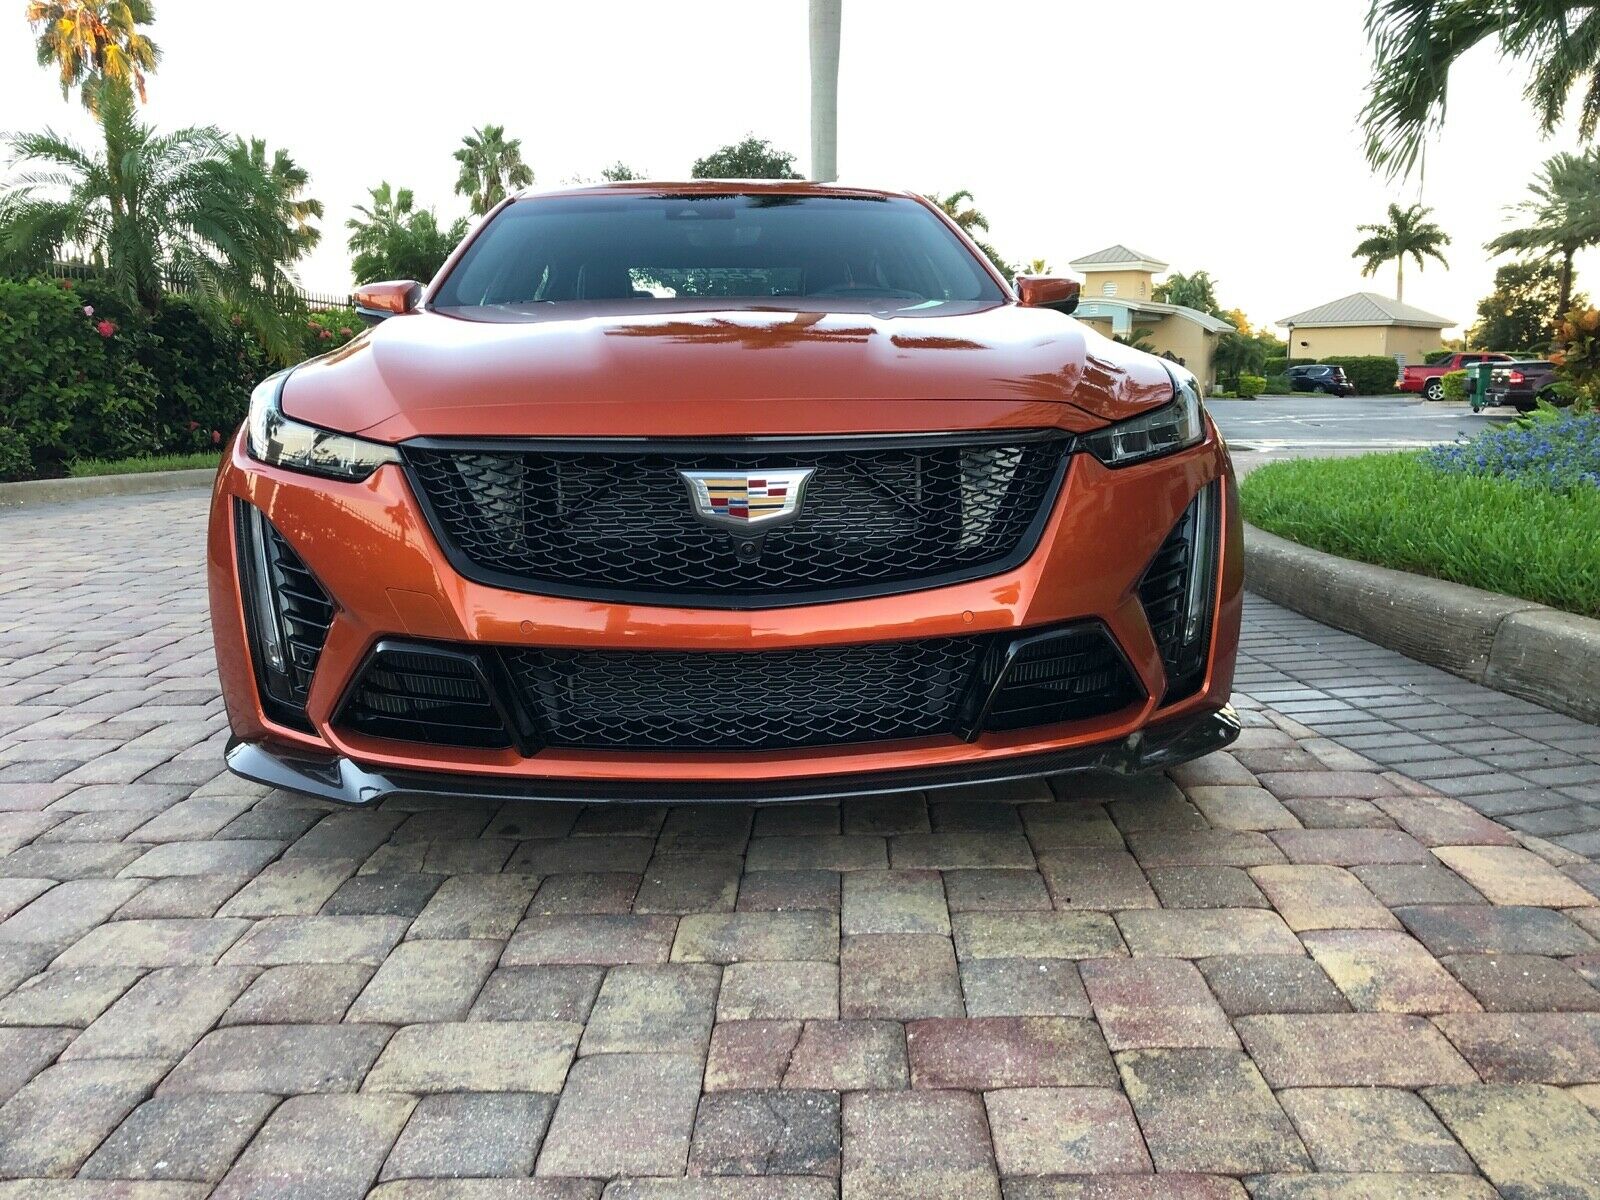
[
  {"x": 88, "y": 310},
  {"x": 345, "y": 331},
  {"x": 216, "y": 437},
  {"x": 193, "y": 425},
  {"x": 105, "y": 328},
  {"x": 324, "y": 335}
]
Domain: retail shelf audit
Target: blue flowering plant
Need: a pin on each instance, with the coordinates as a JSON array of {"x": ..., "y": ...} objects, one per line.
[{"x": 1554, "y": 452}]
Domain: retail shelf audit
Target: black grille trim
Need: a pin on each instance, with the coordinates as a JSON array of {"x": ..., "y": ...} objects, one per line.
[
  {"x": 1164, "y": 595},
  {"x": 304, "y": 613},
  {"x": 791, "y": 570},
  {"x": 733, "y": 701}
]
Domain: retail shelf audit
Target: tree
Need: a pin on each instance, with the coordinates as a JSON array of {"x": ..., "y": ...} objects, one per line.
[
  {"x": 188, "y": 205},
  {"x": 619, "y": 172},
  {"x": 1407, "y": 233},
  {"x": 1521, "y": 312},
  {"x": 961, "y": 209},
  {"x": 94, "y": 44},
  {"x": 394, "y": 239},
  {"x": 1037, "y": 266},
  {"x": 753, "y": 158},
  {"x": 1562, "y": 212},
  {"x": 283, "y": 189},
  {"x": 491, "y": 165},
  {"x": 1555, "y": 45},
  {"x": 1196, "y": 290}
]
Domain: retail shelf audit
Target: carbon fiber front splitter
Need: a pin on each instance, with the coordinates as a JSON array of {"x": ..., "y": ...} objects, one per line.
[{"x": 344, "y": 782}]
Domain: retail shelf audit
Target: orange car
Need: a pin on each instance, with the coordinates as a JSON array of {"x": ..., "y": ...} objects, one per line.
[{"x": 721, "y": 491}]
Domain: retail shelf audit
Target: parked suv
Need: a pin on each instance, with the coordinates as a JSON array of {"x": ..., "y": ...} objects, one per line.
[
  {"x": 1319, "y": 377},
  {"x": 714, "y": 490}
]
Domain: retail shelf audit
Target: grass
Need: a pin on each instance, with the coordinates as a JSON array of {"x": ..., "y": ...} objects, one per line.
[
  {"x": 84, "y": 467},
  {"x": 1394, "y": 511}
]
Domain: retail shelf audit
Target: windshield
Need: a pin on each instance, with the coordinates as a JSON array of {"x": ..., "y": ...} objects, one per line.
[{"x": 786, "y": 250}]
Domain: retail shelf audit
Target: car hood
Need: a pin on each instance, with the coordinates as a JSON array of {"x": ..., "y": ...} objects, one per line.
[{"x": 595, "y": 372}]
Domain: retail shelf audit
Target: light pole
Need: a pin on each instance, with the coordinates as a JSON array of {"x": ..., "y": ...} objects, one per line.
[{"x": 825, "y": 89}]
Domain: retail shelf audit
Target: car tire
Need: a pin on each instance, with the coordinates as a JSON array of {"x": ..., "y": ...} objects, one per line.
[{"x": 1434, "y": 390}]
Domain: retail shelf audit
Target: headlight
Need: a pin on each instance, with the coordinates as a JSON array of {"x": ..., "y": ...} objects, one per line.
[
  {"x": 282, "y": 442},
  {"x": 1174, "y": 426}
]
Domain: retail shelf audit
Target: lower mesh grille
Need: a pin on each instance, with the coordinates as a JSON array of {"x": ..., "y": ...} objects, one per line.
[
  {"x": 418, "y": 694},
  {"x": 746, "y": 701},
  {"x": 735, "y": 700},
  {"x": 1164, "y": 592}
]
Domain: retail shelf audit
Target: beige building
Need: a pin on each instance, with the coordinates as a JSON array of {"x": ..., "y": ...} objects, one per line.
[
  {"x": 1117, "y": 300},
  {"x": 1364, "y": 323}
]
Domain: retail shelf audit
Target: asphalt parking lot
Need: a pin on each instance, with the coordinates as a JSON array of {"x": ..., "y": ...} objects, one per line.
[
  {"x": 1357, "y": 956},
  {"x": 1319, "y": 424}
]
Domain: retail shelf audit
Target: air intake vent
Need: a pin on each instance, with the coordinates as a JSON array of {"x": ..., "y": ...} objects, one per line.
[
  {"x": 288, "y": 613},
  {"x": 1067, "y": 675},
  {"x": 413, "y": 693},
  {"x": 1177, "y": 591}
]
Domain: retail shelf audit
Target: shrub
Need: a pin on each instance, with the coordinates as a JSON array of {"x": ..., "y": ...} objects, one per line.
[
  {"x": 1280, "y": 385},
  {"x": 1558, "y": 453},
  {"x": 1370, "y": 374},
  {"x": 1454, "y": 384},
  {"x": 205, "y": 365},
  {"x": 1251, "y": 386},
  {"x": 330, "y": 329},
  {"x": 72, "y": 384}
]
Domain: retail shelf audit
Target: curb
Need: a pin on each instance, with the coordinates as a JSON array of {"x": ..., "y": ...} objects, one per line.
[
  {"x": 58, "y": 491},
  {"x": 1516, "y": 646}
]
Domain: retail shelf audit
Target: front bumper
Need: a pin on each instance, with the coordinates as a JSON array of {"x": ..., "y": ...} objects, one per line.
[{"x": 371, "y": 548}]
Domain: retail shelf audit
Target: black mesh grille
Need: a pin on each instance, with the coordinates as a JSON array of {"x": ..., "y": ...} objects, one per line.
[
  {"x": 416, "y": 694},
  {"x": 610, "y": 519},
  {"x": 1164, "y": 593},
  {"x": 746, "y": 701},
  {"x": 732, "y": 700},
  {"x": 1065, "y": 677}
]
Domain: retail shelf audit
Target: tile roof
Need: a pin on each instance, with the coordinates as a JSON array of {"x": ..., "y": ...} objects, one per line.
[{"x": 1366, "y": 308}]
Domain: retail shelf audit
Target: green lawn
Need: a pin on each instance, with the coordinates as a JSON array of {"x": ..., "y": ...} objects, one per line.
[
  {"x": 133, "y": 466},
  {"x": 1391, "y": 510}
]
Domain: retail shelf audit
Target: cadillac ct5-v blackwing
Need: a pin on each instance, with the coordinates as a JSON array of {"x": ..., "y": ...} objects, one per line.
[{"x": 721, "y": 490}]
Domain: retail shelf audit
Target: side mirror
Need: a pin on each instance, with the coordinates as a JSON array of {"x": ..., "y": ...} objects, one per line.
[
  {"x": 392, "y": 298},
  {"x": 1048, "y": 291}
]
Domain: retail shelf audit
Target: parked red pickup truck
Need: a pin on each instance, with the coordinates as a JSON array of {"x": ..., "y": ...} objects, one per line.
[{"x": 1429, "y": 379}]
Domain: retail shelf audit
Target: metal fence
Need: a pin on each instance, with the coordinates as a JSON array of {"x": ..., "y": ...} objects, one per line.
[{"x": 292, "y": 298}]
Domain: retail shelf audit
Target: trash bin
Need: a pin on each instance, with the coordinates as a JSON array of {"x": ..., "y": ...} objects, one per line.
[{"x": 1478, "y": 377}]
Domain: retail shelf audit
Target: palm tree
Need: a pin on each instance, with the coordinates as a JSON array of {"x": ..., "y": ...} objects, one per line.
[
  {"x": 1408, "y": 233},
  {"x": 153, "y": 207},
  {"x": 95, "y": 44},
  {"x": 394, "y": 239},
  {"x": 491, "y": 165},
  {"x": 285, "y": 186},
  {"x": 1555, "y": 45},
  {"x": 1562, "y": 215},
  {"x": 959, "y": 207},
  {"x": 1196, "y": 290}
]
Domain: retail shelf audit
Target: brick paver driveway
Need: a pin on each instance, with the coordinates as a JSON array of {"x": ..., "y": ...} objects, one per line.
[{"x": 1282, "y": 973}]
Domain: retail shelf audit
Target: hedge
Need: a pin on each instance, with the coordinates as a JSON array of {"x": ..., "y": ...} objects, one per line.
[
  {"x": 89, "y": 376},
  {"x": 1372, "y": 374}
]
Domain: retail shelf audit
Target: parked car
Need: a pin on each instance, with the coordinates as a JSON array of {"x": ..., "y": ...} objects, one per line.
[
  {"x": 1521, "y": 385},
  {"x": 1428, "y": 378},
  {"x": 1319, "y": 377},
  {"x": 721, "y": 491}
]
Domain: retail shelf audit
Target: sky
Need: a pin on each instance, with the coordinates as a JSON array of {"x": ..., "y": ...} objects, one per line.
[{"x": 1219, "y": 136}]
